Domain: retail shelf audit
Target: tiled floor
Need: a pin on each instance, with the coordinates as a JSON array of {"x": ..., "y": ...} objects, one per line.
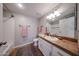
[{"x": 27, "y": 50}]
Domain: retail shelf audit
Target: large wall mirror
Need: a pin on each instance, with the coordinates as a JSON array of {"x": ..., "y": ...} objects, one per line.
[{"x": 65, "y": 24}]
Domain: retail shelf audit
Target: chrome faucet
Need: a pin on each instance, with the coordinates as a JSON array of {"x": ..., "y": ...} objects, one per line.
[{"x": 2, "y": 43}]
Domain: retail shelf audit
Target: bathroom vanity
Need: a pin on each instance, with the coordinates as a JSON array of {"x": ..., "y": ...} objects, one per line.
[
  {"x": 52, "y": 46},
  {"x": 5, "y": 50}
]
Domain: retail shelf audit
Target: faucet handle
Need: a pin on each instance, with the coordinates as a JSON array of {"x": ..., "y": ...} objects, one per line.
[{"x": 4, "y": 43}]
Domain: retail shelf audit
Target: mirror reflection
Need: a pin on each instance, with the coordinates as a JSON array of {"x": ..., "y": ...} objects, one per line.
[{"x": 61, "y": 21}]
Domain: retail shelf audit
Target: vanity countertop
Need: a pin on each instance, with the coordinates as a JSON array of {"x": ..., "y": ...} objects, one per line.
[{"x": 66, "y": 45}]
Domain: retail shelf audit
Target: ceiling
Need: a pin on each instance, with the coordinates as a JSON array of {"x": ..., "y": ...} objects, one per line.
[
  {"x": 38, "y": 10},
  {"x": 35, "y": 10}
]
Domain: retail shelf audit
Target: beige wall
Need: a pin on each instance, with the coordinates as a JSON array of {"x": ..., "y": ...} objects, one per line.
[
  {"x": 12, "y": 32},
  {"x": 9, "y": 31},
  {"x": 32, "y": 29},
  {"x": 1, "y": 23}
]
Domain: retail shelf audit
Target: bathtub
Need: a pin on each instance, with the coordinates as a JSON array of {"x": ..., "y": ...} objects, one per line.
[{"x": 5, "y": 50}]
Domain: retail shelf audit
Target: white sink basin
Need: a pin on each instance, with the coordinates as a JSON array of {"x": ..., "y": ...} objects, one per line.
[
  {"x": 5, "y": 49},
  {"x": 2, "y": 49}
]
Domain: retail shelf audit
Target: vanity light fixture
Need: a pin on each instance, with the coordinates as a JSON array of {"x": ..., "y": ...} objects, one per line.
[
  {"x": 50, "y": 16},
  {"x": 53, "y": 15},
  {"x": 20, "y": 5},
  {"x": 56, "y": 13}
]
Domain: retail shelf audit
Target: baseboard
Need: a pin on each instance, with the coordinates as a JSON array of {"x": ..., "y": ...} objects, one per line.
[{"x": 22, "y": 45}]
